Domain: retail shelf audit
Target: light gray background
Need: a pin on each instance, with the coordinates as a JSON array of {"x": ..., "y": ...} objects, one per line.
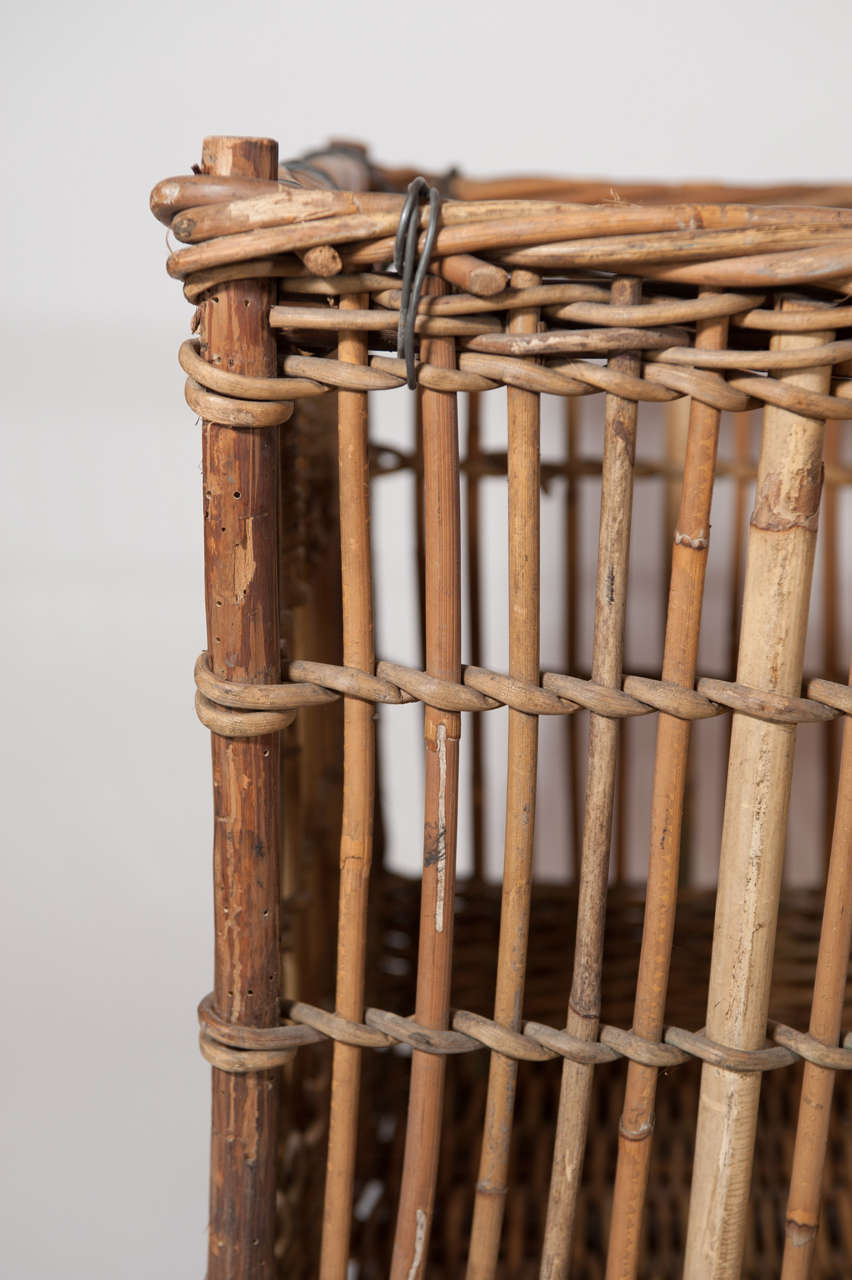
[{"x": 106, "y": 926}]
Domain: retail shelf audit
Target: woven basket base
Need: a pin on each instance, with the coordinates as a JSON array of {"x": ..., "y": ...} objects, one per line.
[{"x": 391, "y": 971}]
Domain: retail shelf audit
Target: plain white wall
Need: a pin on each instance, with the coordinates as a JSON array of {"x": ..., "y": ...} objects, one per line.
[{"x": 106, "y": 935}]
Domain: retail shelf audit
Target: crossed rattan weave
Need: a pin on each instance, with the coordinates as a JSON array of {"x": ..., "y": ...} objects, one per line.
[{"x": 416, "y": 1100}]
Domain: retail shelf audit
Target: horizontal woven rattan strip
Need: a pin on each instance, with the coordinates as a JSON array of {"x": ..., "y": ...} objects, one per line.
[
  {"x": 749, "y": 257},
  {"x": 248, "y": 710},
  {"x": 530, "y": 214},
  {"x": 241, "y": 1061},
  {"x": 582, "y": 304},
  {"x": 235, "y": 400},
  {"x": 240, "y": 1048},
  {"x": 387, "y": 459},
  {"x": 229, "y": 723},
  {"x": 378, "y": 319}
]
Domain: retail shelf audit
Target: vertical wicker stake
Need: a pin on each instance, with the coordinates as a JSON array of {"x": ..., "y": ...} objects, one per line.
[
  {"x": 419, "y": 522},
  {"x": 585, "y": 999},
  {"x": 830, "y": 618},
  {"x": 782, "y": 537},
  {"x": 524, "y": 476},
  {"x": 689, "y": 561},
  {"x": 474, "y": 596},
  {"x": 573, "y": 474},
  {"x": 826, "y": 1015},
  {"x": 241, "y": 584},
  {"x": 744, "y": 466},
  {"x": 442, "y": 730},
  {"x": 677, "y": 416},
  {"x": 356, "y": 841}
]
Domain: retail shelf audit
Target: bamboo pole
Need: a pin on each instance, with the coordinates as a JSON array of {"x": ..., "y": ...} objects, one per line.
[
  {"x": 825, "y": 1025},
  {"x": 524, "y": 480},
  {"x": 356, "y": 837},
  {"x": 241, "y": 588},
  {"x": 442, "y": 730},
  {"x": 584, "y": 1003},
  {"x": 782, "y": 537},
  {"x": 680, "y": 655}
]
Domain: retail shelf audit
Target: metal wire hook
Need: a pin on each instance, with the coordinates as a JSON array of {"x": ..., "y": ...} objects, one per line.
[{"x": 404, "y": 257}]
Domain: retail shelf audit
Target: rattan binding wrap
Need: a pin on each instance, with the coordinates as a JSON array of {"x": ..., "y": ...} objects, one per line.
[{"x": 456, "y": 1089}]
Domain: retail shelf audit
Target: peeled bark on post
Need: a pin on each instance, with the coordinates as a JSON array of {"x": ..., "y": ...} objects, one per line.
[
  {"x": 782, "y": 539},
  {"x": 241, "y": 585}
]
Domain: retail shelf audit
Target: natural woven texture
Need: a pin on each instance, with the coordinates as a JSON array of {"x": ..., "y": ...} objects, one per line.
[
  {"x": 437, "y": 1136},
  {"x": 392, "y": 964}
]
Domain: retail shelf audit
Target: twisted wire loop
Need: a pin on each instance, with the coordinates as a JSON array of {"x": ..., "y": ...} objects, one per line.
[
  {"x": 234, "y": 709},
  {"x": 404, "y": 256},
  {"x": 237, "y": 1048}
]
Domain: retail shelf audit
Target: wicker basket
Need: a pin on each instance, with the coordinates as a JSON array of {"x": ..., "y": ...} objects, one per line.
[{"x": 620, "y": 1070}]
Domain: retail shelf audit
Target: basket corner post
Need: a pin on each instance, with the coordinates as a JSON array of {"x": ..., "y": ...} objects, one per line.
[{"x": 241, "y": 470}]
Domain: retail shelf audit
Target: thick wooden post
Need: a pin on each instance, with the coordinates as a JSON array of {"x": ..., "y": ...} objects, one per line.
[{"x": 241, "y": 585}]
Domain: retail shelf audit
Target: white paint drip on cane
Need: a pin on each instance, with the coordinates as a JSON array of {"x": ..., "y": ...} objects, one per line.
[
  {"x": 420, "y": 1231},
  {"x": 441, "y": 843}
]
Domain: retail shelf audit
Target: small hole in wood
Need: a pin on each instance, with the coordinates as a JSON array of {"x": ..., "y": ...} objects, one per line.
[
  {"x": 266, "y": 753},
  {"x": 249, "y": 992},
  {"x": 237, "y": 493}
]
